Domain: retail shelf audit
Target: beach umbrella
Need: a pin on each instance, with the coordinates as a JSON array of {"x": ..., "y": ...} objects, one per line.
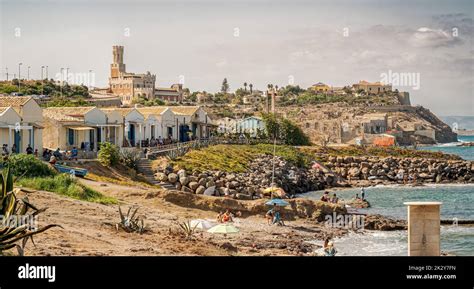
[
  {"x": 201, "y": 224},
  {"x": 278, "y": 202},
  {"x": 272, "y": 189},
  {"x": 223, "y": 229}
]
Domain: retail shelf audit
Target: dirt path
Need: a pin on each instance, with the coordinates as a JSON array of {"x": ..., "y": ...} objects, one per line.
[{"x": 89, "y": 228}]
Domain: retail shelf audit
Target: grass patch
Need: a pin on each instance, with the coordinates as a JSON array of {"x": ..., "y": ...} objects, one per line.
[
  {"x": 236, "y": 158},
  {"x": 64, "y": 185},
  {"x": 124, "y": 182}
]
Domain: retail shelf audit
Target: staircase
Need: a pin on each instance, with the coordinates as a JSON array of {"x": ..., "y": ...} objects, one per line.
[{"x": 144, "y": 168}]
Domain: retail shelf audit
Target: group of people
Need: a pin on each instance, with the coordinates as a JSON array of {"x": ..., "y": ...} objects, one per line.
[
  {"x": 327, "y": 198},
  {"x": 53, "y": 156},
  {"x": 273, "y": 216},
  {"x": 29, "y": 150}
]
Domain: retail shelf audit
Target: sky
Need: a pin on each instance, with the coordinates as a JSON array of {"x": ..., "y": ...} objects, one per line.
[{"x": 427, "y": 44}]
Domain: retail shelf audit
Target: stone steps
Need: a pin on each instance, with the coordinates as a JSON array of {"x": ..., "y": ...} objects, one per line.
[{"x": 144, "y": 168}]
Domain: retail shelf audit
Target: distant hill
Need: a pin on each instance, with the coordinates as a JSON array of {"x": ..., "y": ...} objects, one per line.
[{"x": 464, "y": 122}]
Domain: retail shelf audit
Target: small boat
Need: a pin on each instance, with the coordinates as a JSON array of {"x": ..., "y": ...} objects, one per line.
[{"x": 78, "y": 172}]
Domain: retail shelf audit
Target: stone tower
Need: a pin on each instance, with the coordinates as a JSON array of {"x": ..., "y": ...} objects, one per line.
[{"x": 117, "y": 67}]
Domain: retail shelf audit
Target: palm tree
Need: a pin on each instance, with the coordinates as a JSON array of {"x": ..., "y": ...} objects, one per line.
[
  {"x": 245, "y": 85},
  {"x": 251, "y": 87}
]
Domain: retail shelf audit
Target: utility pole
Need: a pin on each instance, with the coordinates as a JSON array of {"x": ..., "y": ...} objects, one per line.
[
  {"x": 67, "y": 75},
  {"x": 19, "y": 77},
  {"x": 42, "y": 81},
  {"x": 46, "y": 72},
  {"x": 61, "y": 84},
  {"x": 28, "y": 75},
  {"x": 6, "y": 69}
]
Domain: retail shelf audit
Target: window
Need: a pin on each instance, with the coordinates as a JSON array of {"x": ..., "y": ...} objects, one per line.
[{"x": 70, "y": 136}]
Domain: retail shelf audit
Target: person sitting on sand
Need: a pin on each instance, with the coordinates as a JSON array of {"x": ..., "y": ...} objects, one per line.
[
  {"x": 334, "y": 199},
  {"x": 227, "y": 217},
  {"x": 330, "y": 251},
  {"x": 325, "y": 197},
  {"x": 277, "y": 218},
  {"x": 269, "y": 215},
  {"x": 357, "y": 197}
]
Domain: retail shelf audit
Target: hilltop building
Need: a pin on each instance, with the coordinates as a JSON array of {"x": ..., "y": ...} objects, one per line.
[
  {"x": 173, "y": 94},
  {"x": 372, "y": 87},
  {"x": 129, "y": 85},
  {"x": 320, "y": 87}
]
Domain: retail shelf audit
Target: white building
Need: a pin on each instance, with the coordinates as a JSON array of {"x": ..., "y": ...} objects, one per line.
[{"x": 26, "y": 130}]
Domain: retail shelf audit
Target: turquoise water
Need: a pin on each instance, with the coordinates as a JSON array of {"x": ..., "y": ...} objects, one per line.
[
  {"x": 466, "y": 153},
  {"x": 388, "y": 201}
]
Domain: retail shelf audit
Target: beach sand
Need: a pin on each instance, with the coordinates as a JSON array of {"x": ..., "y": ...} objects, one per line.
[{"x": 89, "y": 228}]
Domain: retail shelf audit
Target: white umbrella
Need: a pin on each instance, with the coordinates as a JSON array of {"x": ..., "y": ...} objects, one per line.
[
  {"x": 201, "y": 224},
  {"x": 223, "y": 229}
]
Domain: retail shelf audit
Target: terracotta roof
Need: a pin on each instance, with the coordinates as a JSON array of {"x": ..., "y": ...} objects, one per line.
[
  {"x": 184, "y": 110},
  {"x": 14, "y": 101},
  {"x": 67, "y": 113},
  {"x": 122, "y": 110},
  {"x": 3, "y": 109},
  {"x": 152, "y": 110},
  {"x": 363, "y": 82},
  {"x": 319, "y": 84}
]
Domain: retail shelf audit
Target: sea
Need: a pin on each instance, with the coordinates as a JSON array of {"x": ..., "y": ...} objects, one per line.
[
  {"x": 466, "y": 152},
  {"x": 458, "y": 203}
]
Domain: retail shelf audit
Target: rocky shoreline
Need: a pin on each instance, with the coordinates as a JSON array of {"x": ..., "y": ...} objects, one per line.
[
  {"x": 392, "y": 170},
  {"x": 329, "y": 172}
]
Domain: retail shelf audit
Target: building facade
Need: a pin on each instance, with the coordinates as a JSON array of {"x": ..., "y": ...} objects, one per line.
[
  {"x": 129, "y": 86},
  {"x": 372, "y": 87},
  {"x": 172, "y": 94},
  {"x": 28, "y": 129}
]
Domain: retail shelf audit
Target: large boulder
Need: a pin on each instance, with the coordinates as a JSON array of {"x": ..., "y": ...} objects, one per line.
[
  {"x": 211, "y": 191},
  {"x": 162, "y": 177},
  {"x": 193, "y": 185},
  {"x": 200, "y": 190},
  {"x": 184, "y": 180},
  {"x": 172, "y": 178},
  {"x": 182, "y": 173}
]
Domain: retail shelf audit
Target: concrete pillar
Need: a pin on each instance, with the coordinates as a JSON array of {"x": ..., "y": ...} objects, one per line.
[{"x": 423, "y": 228}]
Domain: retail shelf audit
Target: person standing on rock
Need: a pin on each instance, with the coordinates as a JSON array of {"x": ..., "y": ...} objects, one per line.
[{"x": 362, "y": 193}]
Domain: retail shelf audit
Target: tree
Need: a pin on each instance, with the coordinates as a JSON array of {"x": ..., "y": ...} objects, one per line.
[
  {"x": 225, "y": 86},
  {"x": 284, "y": 130},
  {"x": 251, "y": 87},
  {"x": 245, "y": 86}
]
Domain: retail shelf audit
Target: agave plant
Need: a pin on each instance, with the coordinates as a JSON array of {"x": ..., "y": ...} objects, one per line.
[
  {"x": 131, "y": 222},
  {"x": 11, "y": 207},
  {"x": 186, "y": 229}
]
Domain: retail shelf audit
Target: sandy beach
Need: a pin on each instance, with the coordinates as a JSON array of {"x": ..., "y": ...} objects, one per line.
[{"x": 89, "y": 228}]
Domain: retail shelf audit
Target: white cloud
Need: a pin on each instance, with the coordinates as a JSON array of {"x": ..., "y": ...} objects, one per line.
[{"x": 427, "y": 37}]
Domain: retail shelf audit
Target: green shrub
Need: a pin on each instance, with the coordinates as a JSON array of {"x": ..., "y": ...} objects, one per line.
[
  {"x": 65, "y": 185},
  {"x": 28, "y": 166},
  {"x": 109, "y": 154},
  {"x": 130, "y": 158}
]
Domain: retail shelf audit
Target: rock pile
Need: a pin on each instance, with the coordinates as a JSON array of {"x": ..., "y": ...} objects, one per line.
[
  {"x": 399, "y": 169},
  {"x": 250, "y": 184}
]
